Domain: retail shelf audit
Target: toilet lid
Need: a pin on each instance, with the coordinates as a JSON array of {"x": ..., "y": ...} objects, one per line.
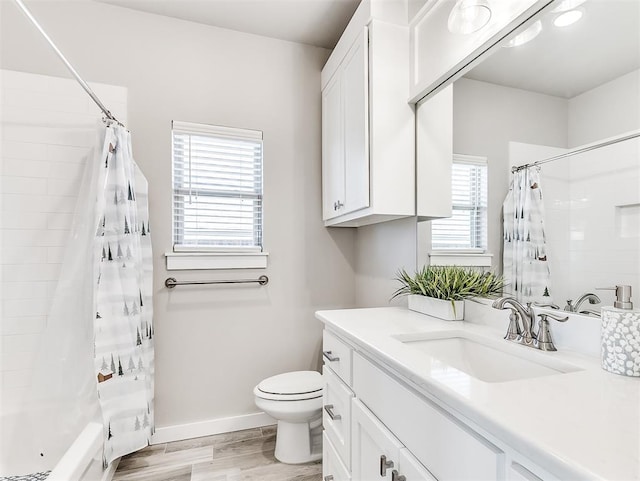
[{"x": 293, "y": 384}]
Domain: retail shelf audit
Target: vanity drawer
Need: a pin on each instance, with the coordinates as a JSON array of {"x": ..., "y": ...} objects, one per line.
[
  {"x": 336, "y": 414},
  {"x": 449, "y": 450},
  {"x": 337, "y": 356},
  {"x": 332, "y": 467}
]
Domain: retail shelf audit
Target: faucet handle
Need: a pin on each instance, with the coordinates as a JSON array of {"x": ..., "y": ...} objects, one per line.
[
  {"x": 543, "y": 317},
  {"x": 543, "y": 339},
  {"x": 513, "y": 331}
]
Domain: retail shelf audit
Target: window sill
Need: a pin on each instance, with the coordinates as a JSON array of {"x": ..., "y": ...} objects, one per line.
[
  {"x": 460, "y": 259},
  {"x": 186, "y": 261}
]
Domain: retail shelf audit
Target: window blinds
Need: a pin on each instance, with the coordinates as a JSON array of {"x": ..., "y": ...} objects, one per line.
[
  {"x": 466, "y": 229},
  {"x": 217, "y": 188}
]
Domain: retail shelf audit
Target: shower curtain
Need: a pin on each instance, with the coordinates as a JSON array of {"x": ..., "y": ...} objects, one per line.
[
  {"x": 525, "y": 265},
  {"x": 123, "y": 327},
  {"x": 96, "y": 358}
]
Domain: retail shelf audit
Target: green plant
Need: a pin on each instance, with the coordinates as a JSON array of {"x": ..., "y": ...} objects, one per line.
[{"x": 450, "y": 283}]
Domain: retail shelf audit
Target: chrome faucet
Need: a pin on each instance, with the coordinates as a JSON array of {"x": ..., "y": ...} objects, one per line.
[
  {"x": 515, "y": 333},
  {"x": 592, "y": 298},
  {"x": 540, "y": 340}
]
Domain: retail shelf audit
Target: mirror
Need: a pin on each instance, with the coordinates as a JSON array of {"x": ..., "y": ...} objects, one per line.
[{"x": 569, "y": 87}]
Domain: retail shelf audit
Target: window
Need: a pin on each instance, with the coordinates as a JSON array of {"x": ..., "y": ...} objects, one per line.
[
  {"x": 466, "y": 229},
  {"x": 217, "y": 188}
]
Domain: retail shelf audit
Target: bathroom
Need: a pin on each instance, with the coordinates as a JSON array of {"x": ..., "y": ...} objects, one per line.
[{"x": 214, "y": 344}]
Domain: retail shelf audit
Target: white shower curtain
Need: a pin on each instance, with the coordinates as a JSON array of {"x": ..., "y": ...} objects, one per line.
[
  {"x": 525, "y": 265},
  {"x": 95, "y": 361},
  {"x": 123, "y": 327}
]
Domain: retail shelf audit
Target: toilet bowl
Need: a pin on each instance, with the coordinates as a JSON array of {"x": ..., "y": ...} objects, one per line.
[{"x": 294, "y": 399}]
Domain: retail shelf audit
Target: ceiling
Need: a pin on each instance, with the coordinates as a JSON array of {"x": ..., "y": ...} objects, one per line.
[
  {"x": 562, "y": 62},
  {"x": 312, "y": 22},
  {"x": 565, "y": 62}
]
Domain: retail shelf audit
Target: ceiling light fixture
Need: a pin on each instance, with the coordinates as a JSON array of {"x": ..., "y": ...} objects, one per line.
[
  {"x": 468, "y": 16},
  {"x": 523, "y": 37},
  {"x": 568, "y": 5},
  {"x": 568, "y": 18}
]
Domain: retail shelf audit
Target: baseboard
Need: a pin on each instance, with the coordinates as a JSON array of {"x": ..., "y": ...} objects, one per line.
[
  {"x": 107, "y": 474},
  {"x": 212, "y": 426}
]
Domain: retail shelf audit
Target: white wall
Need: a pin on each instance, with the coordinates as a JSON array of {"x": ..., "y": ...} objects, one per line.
[
  {"x": 486, "y": 117},
  {"x": 610, "y": 109},
  {"x": 48, "y": 127},
  {"x": 213, "y": 344},
  {"x": 382, "y": 249}
]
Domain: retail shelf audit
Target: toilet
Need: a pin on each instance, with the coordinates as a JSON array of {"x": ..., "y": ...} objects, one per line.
[{"x": 294, "y": 399}]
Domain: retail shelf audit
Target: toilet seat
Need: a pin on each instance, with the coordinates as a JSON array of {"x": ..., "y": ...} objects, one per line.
[{"x": 291, "y": 386}]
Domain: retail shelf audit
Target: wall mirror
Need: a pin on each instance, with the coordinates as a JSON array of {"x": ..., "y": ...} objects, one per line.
[{"x": 553, "y": 88}]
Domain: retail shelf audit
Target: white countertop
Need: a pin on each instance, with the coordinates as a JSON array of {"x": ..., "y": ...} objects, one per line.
[{"x": 577, "y": 425}]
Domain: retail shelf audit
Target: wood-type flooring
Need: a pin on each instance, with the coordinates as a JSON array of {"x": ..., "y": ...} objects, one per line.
[{"x": 239, "y": 456}]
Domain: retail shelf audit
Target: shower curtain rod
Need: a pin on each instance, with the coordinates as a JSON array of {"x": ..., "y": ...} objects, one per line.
[
  {"x": 109, "y": 116},
  {"x": 587, "y": 148}
]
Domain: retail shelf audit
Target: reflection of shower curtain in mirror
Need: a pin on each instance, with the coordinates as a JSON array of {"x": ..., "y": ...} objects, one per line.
[{"x": 525, "y": 265}]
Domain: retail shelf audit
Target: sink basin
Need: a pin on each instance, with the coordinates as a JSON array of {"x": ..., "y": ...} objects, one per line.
[{"x": 483, "y": 358}]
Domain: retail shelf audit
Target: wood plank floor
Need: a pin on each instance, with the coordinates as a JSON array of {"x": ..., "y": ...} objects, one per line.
[{"x": 239, "y": 456}]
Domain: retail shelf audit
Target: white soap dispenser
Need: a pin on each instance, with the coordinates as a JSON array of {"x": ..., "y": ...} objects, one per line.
[{"x": 621, "y": 335}]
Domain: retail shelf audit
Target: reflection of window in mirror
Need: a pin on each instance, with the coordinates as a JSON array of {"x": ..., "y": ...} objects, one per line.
[
  {"x": 466, "y": 229},
  {"x": 462, "y": 238}
]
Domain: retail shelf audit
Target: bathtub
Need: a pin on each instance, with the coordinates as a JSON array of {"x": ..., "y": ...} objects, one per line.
[{"x": 82, "y": 461}]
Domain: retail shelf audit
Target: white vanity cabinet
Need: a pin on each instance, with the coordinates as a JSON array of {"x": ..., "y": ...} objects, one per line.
[
  {"x": 378, "y": 454},
  {"x": 386, "y": 429},
  {"x": 336, "y": 408},
  {"x": 435, "y": 438},
  {"x": 368, "y": 165}
]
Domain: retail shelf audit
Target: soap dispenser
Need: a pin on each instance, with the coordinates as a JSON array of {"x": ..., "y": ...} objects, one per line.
[{"x": 621, "y": 334}]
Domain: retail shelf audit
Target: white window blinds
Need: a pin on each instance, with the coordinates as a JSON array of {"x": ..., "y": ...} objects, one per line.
[
  {"x": 217, "y": 188},
  {"x": 466, "y": 229}
]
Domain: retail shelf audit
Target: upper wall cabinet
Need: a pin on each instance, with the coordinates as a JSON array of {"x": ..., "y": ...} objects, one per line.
[
  {"x": 441, "y": 51},
  {"x": 368, "y": 167},
  {"x": 345, "y": 133}
]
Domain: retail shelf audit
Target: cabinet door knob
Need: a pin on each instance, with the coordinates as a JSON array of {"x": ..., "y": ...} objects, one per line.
[
  {"x": 339, "y": 204},
  {"x": 330, "y": 357},
  {"x": 328, "y": 477},
  {"x": 384, "y": 465},
  {"x": 332, "y": 415},
  {"x": 395, "y": 476}
]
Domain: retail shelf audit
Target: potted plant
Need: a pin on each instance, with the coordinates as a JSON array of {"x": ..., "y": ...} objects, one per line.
[{"x": 439, "y": 291}]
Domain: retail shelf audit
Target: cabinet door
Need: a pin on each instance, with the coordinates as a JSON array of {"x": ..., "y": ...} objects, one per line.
[
  {"x": 355, "y": 96},
  {"x": 411, "y": 469},
  {"x": 332, "y": 149},
  {"x": 374, "y": 450},
  {"x": 332, "y": 467}
]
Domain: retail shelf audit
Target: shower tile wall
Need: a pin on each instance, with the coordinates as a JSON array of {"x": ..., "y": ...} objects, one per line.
[
  {"x": 48, "y": 126},
  {"x": 604, "y": 243}
]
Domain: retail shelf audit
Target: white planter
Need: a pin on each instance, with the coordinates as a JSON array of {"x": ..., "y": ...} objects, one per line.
[{"x": 437, "y": 307}]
